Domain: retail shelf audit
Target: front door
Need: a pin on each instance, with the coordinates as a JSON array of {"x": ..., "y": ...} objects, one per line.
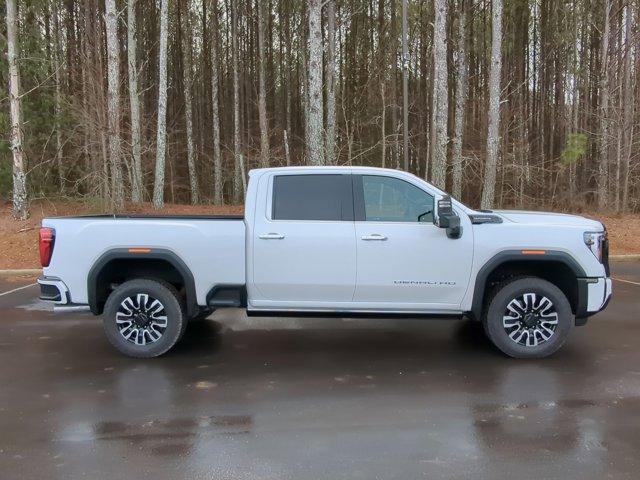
[
  {"x": 304, "y": 248},
  {"x": 404, "y": 261}
]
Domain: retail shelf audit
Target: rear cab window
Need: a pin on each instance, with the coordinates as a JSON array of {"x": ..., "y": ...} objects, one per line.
[{"x": 319, "y": 197}]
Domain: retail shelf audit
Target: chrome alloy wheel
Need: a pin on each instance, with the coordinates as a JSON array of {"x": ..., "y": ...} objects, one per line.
[
  {"x": 530, "y": 319},
  {"x": 141, "y": 319}
]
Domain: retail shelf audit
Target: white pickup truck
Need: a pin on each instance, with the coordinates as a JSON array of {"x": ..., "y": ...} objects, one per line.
[{"x": 341, "y": 241}]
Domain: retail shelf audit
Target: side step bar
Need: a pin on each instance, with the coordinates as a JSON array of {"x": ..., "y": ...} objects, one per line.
[{"x": 221, "y": 296}]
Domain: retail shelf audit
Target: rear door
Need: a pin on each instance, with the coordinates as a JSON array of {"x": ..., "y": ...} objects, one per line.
[
  {"x": 304, "y": 249},
  {"x": 404, "y": 261}
]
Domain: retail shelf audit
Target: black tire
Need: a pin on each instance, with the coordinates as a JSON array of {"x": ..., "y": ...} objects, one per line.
[
  {"x": 508, "y": 325},
  {"x": 173, "y": 317}
]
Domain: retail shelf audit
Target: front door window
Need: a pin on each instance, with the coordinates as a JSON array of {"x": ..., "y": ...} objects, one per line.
[{"x": 388, "y": 199}]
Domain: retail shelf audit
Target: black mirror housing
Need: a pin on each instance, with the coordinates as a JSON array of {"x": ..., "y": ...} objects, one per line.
[{"x": 447, "y": 218}]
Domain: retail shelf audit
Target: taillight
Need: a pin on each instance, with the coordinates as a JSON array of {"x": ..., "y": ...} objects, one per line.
[{"x": 47, "y": 239}]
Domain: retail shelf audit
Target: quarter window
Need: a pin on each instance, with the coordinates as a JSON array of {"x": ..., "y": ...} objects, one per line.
[
  {"x": 312, "y": 197},
  {"x": 389, "y": 199}
]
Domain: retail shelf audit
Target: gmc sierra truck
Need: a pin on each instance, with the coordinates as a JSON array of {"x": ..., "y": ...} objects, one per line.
[{"x": 343, "y": 241}]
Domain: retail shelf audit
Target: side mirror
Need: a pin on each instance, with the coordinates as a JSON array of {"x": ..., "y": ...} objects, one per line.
[{"x": 446, "y": 218}]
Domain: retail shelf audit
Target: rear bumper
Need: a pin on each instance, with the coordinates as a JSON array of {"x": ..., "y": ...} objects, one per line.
[
  {"x": 52, "y": 289},
  {"x": 594, "y": 295}
]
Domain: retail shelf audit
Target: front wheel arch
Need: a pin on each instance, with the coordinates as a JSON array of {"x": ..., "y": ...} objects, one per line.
[{"x": 556, "y": 267}]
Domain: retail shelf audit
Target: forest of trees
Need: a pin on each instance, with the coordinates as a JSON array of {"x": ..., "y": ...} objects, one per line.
[{"x": 505, "y": 103}]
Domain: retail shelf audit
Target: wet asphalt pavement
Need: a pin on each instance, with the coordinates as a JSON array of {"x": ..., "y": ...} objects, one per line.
[{"x": 317, "y": 398}]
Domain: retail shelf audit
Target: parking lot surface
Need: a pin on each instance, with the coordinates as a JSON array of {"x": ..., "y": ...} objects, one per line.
[{"x": 323, "y": 398}]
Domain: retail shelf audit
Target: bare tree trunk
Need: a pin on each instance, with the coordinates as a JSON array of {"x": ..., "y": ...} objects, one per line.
[
  {"x": 20, "y": 210},
  {"x": 383, "y": 121},
  {"x": 405, "y": 87},
  {"x": 237, "y": 153},
  {"x": 628, "y": 123},
  {"x": 603, "y": 152},
  {"x": 493, "y": 131},
  {"x": 58, "y": 94},
  {"x": 113, "y": 102},
  {"x": 440, "y": 109},
  {"x": 393, "y": 54},
  {"x": 462, "y": 85},
  {"x": 288, "y": 87},
  {"x": 188, "y": 104},
  {"x": 217, "y": 155},
  {"x": 262, "y": 100},
  {"x": 315, "y": 110},
  {"x": 330, "y": 83},
  {"x": 285, "y": 141},
  {"x": 137, "y": 186},
  {"x": 161, "y": 137}
]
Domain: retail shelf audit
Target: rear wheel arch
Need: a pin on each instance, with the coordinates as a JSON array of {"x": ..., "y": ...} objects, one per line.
[
  {"x": 557, "y": 267},
  {"x": 122, "y": 265}
]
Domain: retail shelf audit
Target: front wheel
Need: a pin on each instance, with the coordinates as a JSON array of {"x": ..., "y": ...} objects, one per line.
[
  {"x": 144, "y": 318},
  {"x": 528, "y": 318}
]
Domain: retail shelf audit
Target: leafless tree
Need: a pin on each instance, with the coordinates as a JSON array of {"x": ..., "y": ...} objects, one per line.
[
  {"x": 188, "y": 104},
  {"x": 330, "y": 72},
  {"x": 315, "y": 111},
  {"x": 20, "y": 209},
  {"x": 137, "y": 186},
  {"x": 462, "y": 83},
  {"x": 493, "y": 133},
  {"x": 237, "y": 151},
  {"x": 161, "y": 137},
  {"x": 215, "y": 102},
  {"x": 262, "y": 95},
  {"x": 113, "y": 102},
  {"x": 440, "y": 104}
]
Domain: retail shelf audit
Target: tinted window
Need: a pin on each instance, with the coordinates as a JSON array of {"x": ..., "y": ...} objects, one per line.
[
  {"x": 312, "y": 197},
  {"x": 388, "y": 199}
]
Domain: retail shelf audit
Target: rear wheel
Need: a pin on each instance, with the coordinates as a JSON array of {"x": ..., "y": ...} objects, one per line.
[
  {"x": 144, "y": 318},
  {"x": 528, "y": 317}
]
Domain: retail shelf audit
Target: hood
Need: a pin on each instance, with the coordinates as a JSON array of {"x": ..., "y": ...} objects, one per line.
[{"x": 549, "y": 218}]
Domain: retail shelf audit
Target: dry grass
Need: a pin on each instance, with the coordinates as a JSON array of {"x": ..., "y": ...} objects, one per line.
[
  {"x": 624, "y": 233},
  {"x": 19, "y": 239}
]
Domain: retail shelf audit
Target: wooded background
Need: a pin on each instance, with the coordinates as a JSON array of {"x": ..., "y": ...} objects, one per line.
[{"x": 514, "y": 103}]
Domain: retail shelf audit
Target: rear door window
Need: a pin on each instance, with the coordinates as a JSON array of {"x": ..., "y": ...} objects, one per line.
[{"x": 325, "y": 197}]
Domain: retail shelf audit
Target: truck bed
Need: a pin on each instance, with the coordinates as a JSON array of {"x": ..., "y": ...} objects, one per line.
[{"x": 211, "y": 246}]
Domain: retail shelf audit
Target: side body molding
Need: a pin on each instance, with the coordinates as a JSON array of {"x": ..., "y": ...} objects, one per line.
[
  {"x": 517, "y": 255},
  {"x": 154, "y": 254}
]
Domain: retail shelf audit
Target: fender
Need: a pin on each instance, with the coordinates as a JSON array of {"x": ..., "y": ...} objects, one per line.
[
  {"x": 142, "y": 254},
  {"x": 517, "y": 255}
]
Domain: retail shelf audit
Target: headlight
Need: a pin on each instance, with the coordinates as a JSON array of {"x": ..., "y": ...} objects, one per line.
[{"x": 594, "y": 241}]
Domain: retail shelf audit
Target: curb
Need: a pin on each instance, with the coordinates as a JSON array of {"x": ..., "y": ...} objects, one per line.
[
  {"x": 632, "y": 257},
  {"x": 21, "y": 272}
]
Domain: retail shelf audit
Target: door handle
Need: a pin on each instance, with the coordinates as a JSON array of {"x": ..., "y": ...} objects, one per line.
[
  {"x": 374, "y": 236},
  {"x": 271, "y": 236}
]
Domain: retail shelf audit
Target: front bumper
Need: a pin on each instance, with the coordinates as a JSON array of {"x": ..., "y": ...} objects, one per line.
[{"x": 594, "y": 295}]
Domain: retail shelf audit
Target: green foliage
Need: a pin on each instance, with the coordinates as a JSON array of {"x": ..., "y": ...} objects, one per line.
[
  {"x": 37, "y": 102},
  {"x": 574, "y": 149}
]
